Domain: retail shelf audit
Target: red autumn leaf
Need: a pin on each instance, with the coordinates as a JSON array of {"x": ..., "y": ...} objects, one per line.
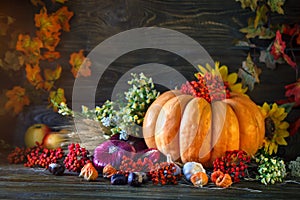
[
  {"x": 80, "y": 64},
  {"x": 45, "y": 22},
  {"x": 56, "y": 97},
  {"x": 294, "y": 127},
  {"x": 33, "y": 75},
  {"x": 278, "y": 48},
  {"x": 298, "y": 39},
  {"x": 292, "y": 31},
  {"x": 49, "y": 39},
  {"x": 30, "y": 47},
  {"x": 293, "y": 91},
  {"x": 51, "y": 55},
  {"x": 17, "y": 99},
  {"x": 51, "y": 76},
  {"x": 63, "y": 17}
]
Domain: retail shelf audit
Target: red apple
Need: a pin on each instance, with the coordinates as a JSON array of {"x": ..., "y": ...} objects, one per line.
[
  {"x": 36, "y": 133},
  {"x": 53, "y": 140}
]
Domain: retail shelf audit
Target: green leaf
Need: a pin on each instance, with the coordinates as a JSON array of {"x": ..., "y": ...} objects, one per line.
[
  {"x": 287, "y": 106},
  {"x": 252, "y": 4},
  {"x": 261, "y": 17},
  {"x": 276, "y": 6}
]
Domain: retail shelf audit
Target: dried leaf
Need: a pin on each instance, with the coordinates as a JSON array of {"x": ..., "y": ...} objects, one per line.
[
  {"x": 267, "y": 58},
  {"x": 12, "y": 61},
  {"x": 261, "y": 16},
  {"x": 249, "y": 73},
  {"x": 63, "y": 17},
  {"x": 260, "y": 31},
  {"x": 248, "y": 3},
  {"x": 51, "y": 76},
  {"x": 294, "y": 127},
  {"x": 30, "y": 47},
  {"x": 276, "y": 6},
  {"x": 37, "y": 2},
  {"x": 33, "y": 75},
  {"x": 293, "y": 90},
  {"x": 278, "y": 50},
  {"x": 17, "y": 99},
  {"x": 50, "y": 39},
  {"x": 5, "y": 22},
  {"x": 56, "y": 97},
  {"x": 60, "y": 1},
  {"x": 291, "y": 31},
  {"x": 80, "y": 64},
  {"x": 45, "y": 22},
  {"x": 51, "y": 55}
]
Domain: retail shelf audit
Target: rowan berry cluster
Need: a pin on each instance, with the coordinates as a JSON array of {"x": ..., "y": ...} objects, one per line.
[
  {"x": 235, "y": 163},
  {"x": 210, "y": 87},
  {"x": 76, "y": 158},
  {"x": 18, "y": 155},
  {"x": 164, "y": 173}
]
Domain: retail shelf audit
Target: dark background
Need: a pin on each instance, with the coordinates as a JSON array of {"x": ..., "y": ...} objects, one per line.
[{"x": 214, "y": 24}]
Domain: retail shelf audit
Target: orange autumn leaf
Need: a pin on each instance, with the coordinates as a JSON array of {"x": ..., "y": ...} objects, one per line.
[
  {"x": 17, "y": 99},
  {"x": 56, "y": 97},
  {"x": 45, "y": 22},
  {"x": 51, "y": 55},
  {"x": 51, "y": 76},
  {"x": 37, "y": 2},
  {"x": 80, "y": 64},
  {"x": 59, "y": 1},
  {"x": 63, "y": 17},
  {"x": 30, "y": 47},
  {"x": 33, "y": 75},
  {"x": 49, "y": 39}
]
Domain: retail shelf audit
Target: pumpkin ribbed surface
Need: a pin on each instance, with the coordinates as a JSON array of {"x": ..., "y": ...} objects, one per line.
[{"x": 191, "y": 129}]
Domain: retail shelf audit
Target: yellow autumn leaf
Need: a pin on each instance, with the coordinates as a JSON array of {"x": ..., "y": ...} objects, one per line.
[
  {"x": 56, "y": 97},
  {"x": 51, "y": 76},
  {"x": 33, "y": 75},
  {"x": 17, "y": 99}
]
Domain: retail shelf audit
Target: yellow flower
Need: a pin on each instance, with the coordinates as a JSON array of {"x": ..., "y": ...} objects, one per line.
[
  {"x": 276, "y": 128},
  {"x": 222, "y": 71}
]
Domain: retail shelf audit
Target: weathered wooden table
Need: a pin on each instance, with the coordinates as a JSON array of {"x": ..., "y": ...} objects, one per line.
[{"x": 18, "y": 182}]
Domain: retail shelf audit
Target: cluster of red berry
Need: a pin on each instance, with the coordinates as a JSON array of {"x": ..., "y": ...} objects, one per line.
[
  {"x": 76, "y": 158},
  {"x": 141, "y": 165},
  {"x": 164, "y": 173},
  {"x": 235, "y": 163},
  {"x": 18, "y": 155},
  {"x": 210, "y": 87},
  {"x": 43, "y": 157},
  {"x": 36, "y": 156}
]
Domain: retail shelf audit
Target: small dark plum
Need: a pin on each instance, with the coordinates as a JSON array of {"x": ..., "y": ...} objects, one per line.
[
  {"x": 56, "y": 169},
  {"x": 118, "y": 179}
]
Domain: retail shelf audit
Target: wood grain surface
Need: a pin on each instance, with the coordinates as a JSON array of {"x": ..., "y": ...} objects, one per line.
[
  {"x": 214, "y": 24},
  {"x": 18, "y": 182}
]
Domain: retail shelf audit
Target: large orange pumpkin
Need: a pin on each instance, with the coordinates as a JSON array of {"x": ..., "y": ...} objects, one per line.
[{"x": 191, "y": 129}]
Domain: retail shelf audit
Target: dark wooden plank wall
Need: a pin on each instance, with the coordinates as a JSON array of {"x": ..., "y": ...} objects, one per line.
[{"x": 214, "y": 24}]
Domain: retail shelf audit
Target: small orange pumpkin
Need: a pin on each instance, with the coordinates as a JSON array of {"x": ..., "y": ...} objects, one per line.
[
  {"x": 191, "y": 129},
  {"x": 199, "y": 179}
]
